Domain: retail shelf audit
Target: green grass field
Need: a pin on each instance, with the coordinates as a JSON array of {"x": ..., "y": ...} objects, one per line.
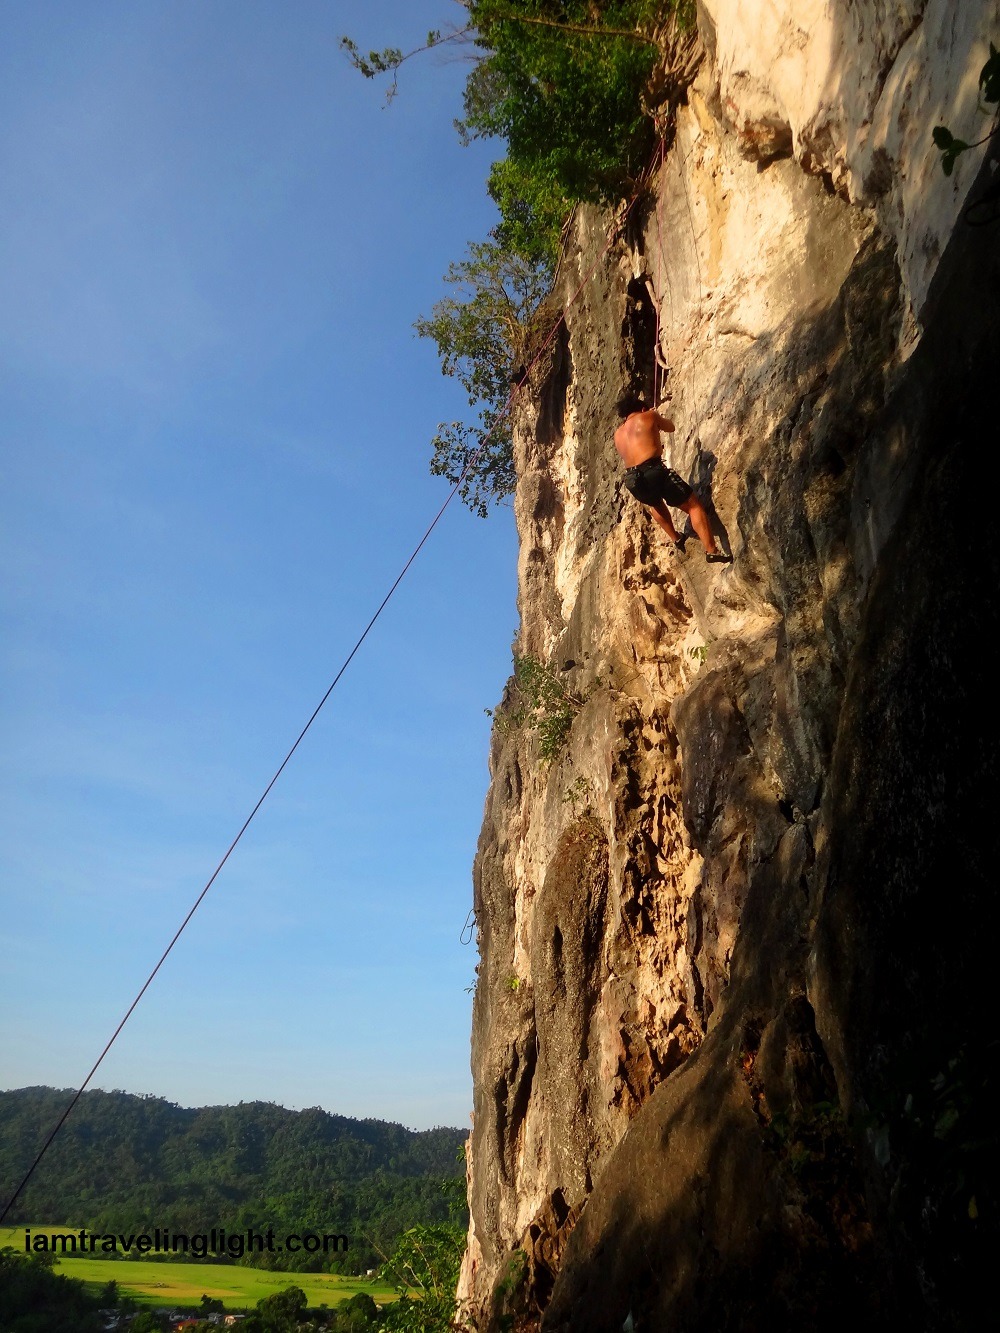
[{"x": 153, "y": 1283}]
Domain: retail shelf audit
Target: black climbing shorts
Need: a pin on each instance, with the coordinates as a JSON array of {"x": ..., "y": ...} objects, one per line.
[{"x": 653, "y": 480}]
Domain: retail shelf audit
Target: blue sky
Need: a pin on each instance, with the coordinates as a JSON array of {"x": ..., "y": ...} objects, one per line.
[{"x": 215, "y": 420}]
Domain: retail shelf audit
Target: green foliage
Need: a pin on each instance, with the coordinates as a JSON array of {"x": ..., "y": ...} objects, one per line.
[
  {"x": 147, "y": 1322},
  {"x": 946, "y": 1124},
  {"x": 514, "y": 1275},
  {"x": 426, "y": 1260},
  {"x": 577, "y": 793},
  {"x": 509, "y": 1305},
  {"x": 533, "y": 211},
  {"x": 482, "y": 332},
  {"x": 279, "y": 1313},
  {"x": 562, "y": 89},
  {"x": 539, "y": 701},
  {"x": 386, "y": 61},
  {"x": 989, "y": 77},
  {"x": 811, "y": 1135},
  {"x": 33, "y": 1299},
  {"x": 124, "y": 1163},
  {"x": 561, "y": 81},
  {"x": 931, "y": 1126},
  {"x": 358, "y": 1315},
  {"x": 950, "y": 147},
  {"x": 989, "y": 91}
]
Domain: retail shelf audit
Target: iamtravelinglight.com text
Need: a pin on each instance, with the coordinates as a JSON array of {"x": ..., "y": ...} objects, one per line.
[{"x": 231, "y": 1244}]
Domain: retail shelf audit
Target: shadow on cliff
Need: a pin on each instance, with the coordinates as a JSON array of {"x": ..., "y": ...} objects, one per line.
[
  {"x": 735, "y": 1217},
  {"x": 830, "y": 1152}
]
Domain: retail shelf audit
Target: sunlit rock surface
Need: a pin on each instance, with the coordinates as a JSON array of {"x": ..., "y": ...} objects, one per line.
[
  {"x": 854, "y": 91},
  {"x": 730, "y": 1016}
]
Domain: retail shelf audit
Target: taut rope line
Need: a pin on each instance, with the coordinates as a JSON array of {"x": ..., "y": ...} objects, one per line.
[{"x": 470, "y": 463}]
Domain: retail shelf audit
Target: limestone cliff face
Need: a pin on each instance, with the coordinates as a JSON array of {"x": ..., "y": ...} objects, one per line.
[{"x": 728, "y": 1037}]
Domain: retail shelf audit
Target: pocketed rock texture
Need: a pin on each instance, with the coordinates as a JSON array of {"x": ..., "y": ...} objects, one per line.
[{"x": 733, "y": 1057}]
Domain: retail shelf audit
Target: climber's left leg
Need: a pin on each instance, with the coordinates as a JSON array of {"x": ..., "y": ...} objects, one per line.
[{"x": 701, "y": 523}]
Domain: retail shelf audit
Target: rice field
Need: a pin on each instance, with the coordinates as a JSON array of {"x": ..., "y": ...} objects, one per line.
[{"x": 153, "y": 1283}]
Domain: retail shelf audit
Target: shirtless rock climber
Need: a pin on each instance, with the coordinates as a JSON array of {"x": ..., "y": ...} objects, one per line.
[{"x": 649, "y": 479}]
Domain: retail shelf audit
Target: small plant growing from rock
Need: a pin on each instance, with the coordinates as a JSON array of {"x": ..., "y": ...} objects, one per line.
[
  {"x": 539, "y": 701},
  {"x": 577, "y": 793},
  {"x": 989, "y": 89},
  {"x": 511, "y": 1291}
]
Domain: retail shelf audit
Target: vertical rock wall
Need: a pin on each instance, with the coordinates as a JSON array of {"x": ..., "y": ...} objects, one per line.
[{"x": 712, "y": 962}]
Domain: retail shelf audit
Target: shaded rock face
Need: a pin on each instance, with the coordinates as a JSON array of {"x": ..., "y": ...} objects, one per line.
[{"x": 731, "y": 1054}]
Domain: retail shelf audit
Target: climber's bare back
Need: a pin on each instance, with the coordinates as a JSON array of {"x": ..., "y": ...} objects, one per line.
[{"x": 638, "y": 437}]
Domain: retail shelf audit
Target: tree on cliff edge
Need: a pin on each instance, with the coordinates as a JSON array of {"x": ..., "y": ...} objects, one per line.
[{"x": 561, "y": 81}]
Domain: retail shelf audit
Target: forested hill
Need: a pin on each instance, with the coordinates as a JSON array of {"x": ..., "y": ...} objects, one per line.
[{"x": 123, "y": 1161}]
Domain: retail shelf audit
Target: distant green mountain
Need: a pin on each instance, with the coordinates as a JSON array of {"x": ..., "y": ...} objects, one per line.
[{"x": 127, "y": 1163}]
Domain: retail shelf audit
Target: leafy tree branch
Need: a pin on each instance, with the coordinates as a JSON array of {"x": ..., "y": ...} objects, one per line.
[
  {"x": 564, "y": 83},
  {"x": 390, "y": 58},
  {"x": 482, "y": 333}
]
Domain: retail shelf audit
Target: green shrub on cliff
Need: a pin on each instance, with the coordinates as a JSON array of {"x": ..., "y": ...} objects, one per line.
[
  {"x": 561, "y": 83},
  {"x": 537, "y": 699}
]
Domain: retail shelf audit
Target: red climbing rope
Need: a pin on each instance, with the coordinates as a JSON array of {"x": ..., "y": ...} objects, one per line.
[{"x": 657, "y": 366}]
